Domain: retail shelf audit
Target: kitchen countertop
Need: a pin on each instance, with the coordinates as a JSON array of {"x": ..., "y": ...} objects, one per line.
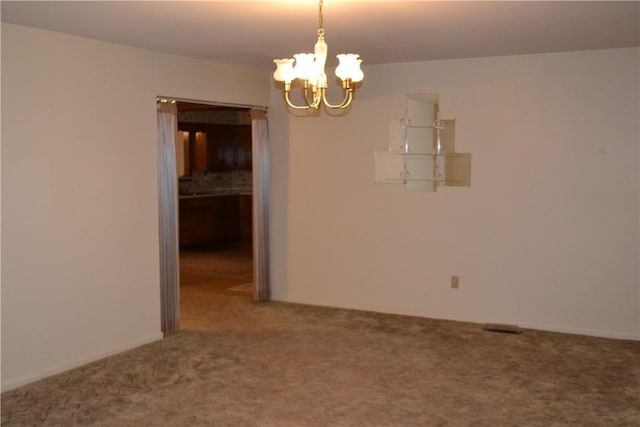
[{"x": 216, "y": 193}]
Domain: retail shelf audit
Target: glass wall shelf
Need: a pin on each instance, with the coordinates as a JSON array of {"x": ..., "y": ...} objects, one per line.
[
  {"x": 450, "y": 169},
  {"x": 421, "y": 152}
]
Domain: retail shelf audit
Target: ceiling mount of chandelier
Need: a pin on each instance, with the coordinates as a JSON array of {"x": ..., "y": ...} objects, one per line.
[{"x": 309, "y": 70}]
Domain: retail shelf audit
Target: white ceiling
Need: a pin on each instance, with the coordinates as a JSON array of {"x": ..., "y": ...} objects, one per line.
[{"x": 252, "y": 33}]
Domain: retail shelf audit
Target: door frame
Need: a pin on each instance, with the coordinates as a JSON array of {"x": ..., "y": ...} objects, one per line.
[{"x": 258, "y": 181}]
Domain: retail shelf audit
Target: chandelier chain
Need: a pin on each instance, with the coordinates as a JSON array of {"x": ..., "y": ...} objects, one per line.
[{"x": 320, "y": 19}]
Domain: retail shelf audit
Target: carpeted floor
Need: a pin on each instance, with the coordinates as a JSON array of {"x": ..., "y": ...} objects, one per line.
[
  {"x": 229, "y": 263},
  {"x": 211, "y": 281},
  {"x": 237, "y": 363}
]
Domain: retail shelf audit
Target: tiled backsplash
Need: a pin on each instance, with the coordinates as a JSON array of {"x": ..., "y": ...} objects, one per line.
[
  {"x": 210, "y": 182},
  {"x": 240, "y": 117}
]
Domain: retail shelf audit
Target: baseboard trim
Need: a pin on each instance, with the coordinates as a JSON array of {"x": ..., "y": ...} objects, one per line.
[
  {"x": 442, "y": 316},
  {"x": 24, "y": 380},
  {"x": 580, "y": 331}
]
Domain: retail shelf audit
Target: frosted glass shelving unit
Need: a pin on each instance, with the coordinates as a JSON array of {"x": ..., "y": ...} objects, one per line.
[{"x": 421, "y": 154}]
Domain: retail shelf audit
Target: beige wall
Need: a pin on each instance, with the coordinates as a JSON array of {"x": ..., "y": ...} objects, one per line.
[
  {"x": 79, "y": 196},
  {"x": 546, "y": 236}
]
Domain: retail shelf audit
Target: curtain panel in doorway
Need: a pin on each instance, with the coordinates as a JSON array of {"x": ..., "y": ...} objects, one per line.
[
  {"x": 260, "y": 142},
  {"x": 168, "y": 215}
]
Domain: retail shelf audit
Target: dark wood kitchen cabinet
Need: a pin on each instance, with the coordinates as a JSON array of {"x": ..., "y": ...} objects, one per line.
[
  {"x": 243, "y": 153},
  {"x": 215, "y": 220},
  {"x": 228, "y": 147},
  {"x": 222, "y": 147},
  {"x": 208, "y": 220},
  {"x": 245, "y": 211}
]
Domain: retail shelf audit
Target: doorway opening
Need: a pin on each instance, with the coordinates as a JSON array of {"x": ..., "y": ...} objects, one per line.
[{"x": 215, "y": 214}]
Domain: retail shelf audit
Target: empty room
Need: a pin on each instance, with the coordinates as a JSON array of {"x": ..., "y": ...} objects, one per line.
[{"x": 431, "y": 210}]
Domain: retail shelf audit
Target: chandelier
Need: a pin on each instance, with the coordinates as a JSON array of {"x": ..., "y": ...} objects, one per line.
[{"x": 309, "y": 71}]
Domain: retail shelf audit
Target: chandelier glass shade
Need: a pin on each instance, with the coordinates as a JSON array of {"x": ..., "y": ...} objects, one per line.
[{"x": 309, "y": 70}]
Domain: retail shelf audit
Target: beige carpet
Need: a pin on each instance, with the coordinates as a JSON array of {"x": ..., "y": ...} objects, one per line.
[
  {"x": 230, "y": 263},
  {"x": 237, "y": 363},
  {"x": 208, "y": 279},
  {"x": 247, "y": 288}
]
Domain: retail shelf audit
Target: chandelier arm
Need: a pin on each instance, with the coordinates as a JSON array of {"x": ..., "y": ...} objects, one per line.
[
  {"x": 292, "y": 105},
  {"x": 348, "y": 97},
  {"x": 315, "y": 105},
  {"x": 316, "y": 99}
]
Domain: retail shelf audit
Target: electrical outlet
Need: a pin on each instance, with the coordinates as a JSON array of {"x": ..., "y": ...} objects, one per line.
[{"x": 455, "y": 282}]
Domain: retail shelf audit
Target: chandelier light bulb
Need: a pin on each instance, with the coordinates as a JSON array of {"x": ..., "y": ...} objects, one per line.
[
  {"x": 284, "y": 71},
  {"x": 349, "y": 67},
  {"x": 305, "y": 67}
]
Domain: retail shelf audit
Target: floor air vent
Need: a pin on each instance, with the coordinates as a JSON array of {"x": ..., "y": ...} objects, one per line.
[{"x": 503, "y": 329}]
